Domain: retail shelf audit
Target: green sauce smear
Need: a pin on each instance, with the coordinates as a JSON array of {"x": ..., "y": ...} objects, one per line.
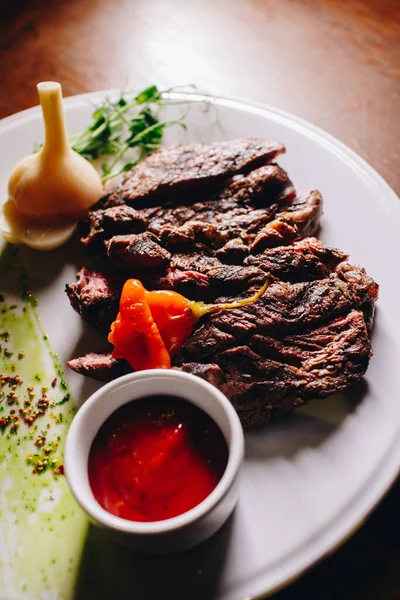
[{"x": 42, "y": 528}]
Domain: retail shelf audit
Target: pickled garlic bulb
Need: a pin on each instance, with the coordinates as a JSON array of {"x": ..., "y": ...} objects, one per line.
[{"x": 50, "y": 190}]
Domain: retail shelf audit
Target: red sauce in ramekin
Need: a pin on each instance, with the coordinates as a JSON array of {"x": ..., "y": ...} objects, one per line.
[{"x": 156, "y": 458}]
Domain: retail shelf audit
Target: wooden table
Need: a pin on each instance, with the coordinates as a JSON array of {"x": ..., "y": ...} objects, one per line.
[{"x": 335, "y": 63}]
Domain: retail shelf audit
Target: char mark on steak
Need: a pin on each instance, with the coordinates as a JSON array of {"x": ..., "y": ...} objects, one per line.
[{"x": 176, "y": 168}]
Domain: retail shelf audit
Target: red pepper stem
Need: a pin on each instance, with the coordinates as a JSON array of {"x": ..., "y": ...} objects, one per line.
[{"x": 199, "y": 309}]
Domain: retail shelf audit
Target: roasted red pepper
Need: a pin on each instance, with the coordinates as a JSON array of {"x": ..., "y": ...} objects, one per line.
[{"x": 152, "y": 326}]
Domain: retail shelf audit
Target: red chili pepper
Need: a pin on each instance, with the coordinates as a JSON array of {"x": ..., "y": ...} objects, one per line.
[
  {"x": 174, "y": 317},
  {"x": 134, "y": 334},
  {"x": 152, "y": 326}
]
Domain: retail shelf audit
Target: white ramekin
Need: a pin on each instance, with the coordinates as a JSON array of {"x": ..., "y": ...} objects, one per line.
[{"x": 190, "y": 528}]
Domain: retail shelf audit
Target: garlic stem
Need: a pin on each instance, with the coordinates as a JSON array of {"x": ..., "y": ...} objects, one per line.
[{"x": 56, "y": 139}]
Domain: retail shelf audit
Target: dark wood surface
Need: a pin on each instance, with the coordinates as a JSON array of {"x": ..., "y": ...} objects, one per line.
[{"x": 335, "y": 63}]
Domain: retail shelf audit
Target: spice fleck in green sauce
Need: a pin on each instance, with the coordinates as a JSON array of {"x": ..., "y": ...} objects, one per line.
[{"x": 42, "y": 529}]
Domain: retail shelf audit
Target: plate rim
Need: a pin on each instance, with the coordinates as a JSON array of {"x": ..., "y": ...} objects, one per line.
[
  {"x": 303, "y": 557},
  {"x": 334, "y": 143}
]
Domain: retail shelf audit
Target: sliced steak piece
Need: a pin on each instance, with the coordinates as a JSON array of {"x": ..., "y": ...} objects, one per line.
[
  {"x": 242, "y": 207},
  {"x": 288, "y": 306},
  {"x": 206, "y": 277},
  {"x": 272, "y": 376},
  {"x": 95, "y": 296},
  {"x": 298, "y": 219},
  {"x": 305, "y": 213},
  {"x": 102, "y": 367},
  {"x": 311, "y": 351},
  {"x": 304, "y": 260},
  {"x": 253, "y": 404},
  {"x": 285, "y": 307},
  {"x": 198, "y": 262},
  {"x": 193, "y": 234},
  {"x": 233, "y": 252},
  {"x": 250, "y": 229},
  {"x": 117, "y": 220},
  {"x": 174, "y": 168},
  {"x": 192, "y": 284},
  {"x": 225, "y": 279},
  {"x": 264, "y": 188},
  {"x": 137, "y": 252},
  {"x": 314, "y": 284},
  {"x": 275, "y": 233}
]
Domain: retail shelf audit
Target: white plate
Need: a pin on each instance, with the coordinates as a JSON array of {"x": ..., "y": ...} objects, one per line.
[{"x": 309, "y": 479}]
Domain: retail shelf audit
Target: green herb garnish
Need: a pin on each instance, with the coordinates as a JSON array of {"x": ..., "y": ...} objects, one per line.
[{"x": 120, "y": 127}]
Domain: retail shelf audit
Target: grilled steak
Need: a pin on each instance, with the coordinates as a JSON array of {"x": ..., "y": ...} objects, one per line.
[
  {"x": 116, "y": 220},
  {"x": 269, "y": 376},
  {"x": 175, "y": 168},
  {"x": 207, "y": 278},
  {"x": 283, "y": 309},
  {"x": 263, "y": 189},
  {"x": 242, "y": 205},
  {"x": 102, "y": 367},
  {"x": 305, "y": 260},
  {"x": 298, "y": 219},
  {"x": 305, "y": 338},
  {"x": 95, "y": 296},
  {"x": 212, "y": 222},
  {"x": 137, "y": 251},
  {"x": 289, "y": 306}
]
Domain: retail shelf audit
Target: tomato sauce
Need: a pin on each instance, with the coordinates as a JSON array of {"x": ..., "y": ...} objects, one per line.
[{"x": 156, "y": 458}]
